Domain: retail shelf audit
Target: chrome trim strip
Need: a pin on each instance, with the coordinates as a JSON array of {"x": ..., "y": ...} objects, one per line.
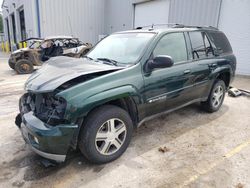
[
  {"x": 202, "y": 82},
  {"x": 167, "y": 111},
  {"x": 165, "y": 94}
]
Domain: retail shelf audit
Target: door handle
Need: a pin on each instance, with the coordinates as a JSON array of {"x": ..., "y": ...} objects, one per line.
[{"x": 187, "y": 71}]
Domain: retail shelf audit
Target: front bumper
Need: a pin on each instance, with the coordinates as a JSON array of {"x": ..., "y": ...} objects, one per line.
[
  {"x": 51, "y": 142},
  {"x": 11, "y": 60}
]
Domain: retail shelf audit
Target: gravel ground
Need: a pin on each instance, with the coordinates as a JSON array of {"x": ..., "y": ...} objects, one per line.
[{"x": 199, "y": 149}]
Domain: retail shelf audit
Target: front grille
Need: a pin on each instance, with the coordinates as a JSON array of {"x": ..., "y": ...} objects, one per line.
[{"x": 46, "y": 107}]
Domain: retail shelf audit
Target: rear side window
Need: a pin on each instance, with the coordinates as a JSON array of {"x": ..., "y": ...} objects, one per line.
[
  {"x": 173, "y": 45},
  {"x": 221, "y": 42},
  {"x": 201, "y": 47}
]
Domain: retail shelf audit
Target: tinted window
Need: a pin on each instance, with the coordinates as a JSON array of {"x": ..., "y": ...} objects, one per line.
[
  {"x": 208, "y": 47},
  {"x": 197, "y": 45},
  {"x": 221, "y": 42},
  {"x": 201, "y": 46},
  {"x": 173, "y": 45}
]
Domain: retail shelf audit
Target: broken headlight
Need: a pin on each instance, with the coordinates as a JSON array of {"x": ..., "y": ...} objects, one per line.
[{"x": 47, "y": 107}]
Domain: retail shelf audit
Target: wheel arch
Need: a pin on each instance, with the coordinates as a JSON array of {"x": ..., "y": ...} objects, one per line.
[
  {"x": 128, "y": 101},
  {"x": 224, "y": 75},
  {"x": 129, "y": 105}
]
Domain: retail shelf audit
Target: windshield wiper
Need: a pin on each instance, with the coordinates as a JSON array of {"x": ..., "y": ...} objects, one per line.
[
  {"x": 108, "y": 61},
  {"x": 89, "y": 58}
]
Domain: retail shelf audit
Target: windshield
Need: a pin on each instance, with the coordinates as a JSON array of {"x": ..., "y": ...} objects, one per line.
[
  {"x": 35, "y": 44},
  {"x": 123, "y": 48}
]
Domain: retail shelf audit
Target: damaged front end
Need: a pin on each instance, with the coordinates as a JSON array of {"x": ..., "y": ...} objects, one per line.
[
  {"x": 45, "y": 106},
  {"x": 48, "y": 120},
  {"x": 43, "y": 126}
]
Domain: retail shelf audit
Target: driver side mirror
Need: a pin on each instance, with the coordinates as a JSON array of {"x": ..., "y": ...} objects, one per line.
[{"x": 159, "y": 62}]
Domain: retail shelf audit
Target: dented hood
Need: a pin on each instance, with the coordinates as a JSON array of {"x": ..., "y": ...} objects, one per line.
[{"x": 59, "y": 70}]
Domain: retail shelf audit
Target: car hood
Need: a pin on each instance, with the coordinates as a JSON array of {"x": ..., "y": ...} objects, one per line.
[{"x": 59, "y": 70}]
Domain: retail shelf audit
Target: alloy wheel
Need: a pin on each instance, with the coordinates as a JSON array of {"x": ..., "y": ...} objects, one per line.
[
  {"x": 217, "y": 96},
  {"x": 110, "y": 136}
]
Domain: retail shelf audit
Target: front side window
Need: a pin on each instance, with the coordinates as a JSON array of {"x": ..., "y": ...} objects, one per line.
[
  {"x": 201, "y": 47},
  {"x": 173, "y": 45},
  {"x": 125, "y": 48}
]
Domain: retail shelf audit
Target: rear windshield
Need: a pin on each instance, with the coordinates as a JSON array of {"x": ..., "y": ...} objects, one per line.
[{"x": 221, "y": 42}]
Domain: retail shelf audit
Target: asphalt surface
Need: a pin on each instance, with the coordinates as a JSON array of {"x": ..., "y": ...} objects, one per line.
[{"x": 198, "y": 149}]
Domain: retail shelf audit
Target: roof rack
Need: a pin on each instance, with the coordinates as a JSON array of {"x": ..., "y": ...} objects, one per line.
[
  {"x": 175, "y": 25},
  {"x": 189, "y": 26},
  {"x": 153, "y": 25}
]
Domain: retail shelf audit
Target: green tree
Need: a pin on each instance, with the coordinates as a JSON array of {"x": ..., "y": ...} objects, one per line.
[{"x": 1, "y": 23}]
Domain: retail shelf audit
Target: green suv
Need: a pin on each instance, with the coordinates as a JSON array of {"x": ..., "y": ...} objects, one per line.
[{"x": 94, "y": 103}]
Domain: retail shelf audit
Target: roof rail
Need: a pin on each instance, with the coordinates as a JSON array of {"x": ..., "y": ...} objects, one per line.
[
  {"x": 153, "y": 25},
  {"x": 175, "y": 25},
  {"x": 213, "y": 27},
  {"x": 190, "y": 26}
]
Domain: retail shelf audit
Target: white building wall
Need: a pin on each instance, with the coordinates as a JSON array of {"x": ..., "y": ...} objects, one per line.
[
  {"x": 195, "y": 12},
  {"x": 123, "y": 15},
  {"x": 145, "y": 13},
  {"x": 118, "y": 15},
  {"x": 234, "y": 22},
  {"x": 13, "y": 6},
  {"x": 82, "y": 19}
]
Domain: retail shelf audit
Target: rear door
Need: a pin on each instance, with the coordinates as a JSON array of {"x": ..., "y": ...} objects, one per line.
[
  {"x": 168, "y": 88},
  {"x": 204, "y": 61}
]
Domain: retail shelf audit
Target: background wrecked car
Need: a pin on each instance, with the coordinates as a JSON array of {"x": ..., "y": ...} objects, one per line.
[{"x": 40, "y": 50}]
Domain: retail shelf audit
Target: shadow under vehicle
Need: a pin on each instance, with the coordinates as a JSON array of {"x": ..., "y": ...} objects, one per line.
[{"x": 41, "y": 50}]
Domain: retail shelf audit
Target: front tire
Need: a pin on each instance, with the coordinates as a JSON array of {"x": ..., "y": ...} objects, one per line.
[
  {"x": 24, "y": 66},
  {"x": 11, "y": 64},
  {"x": 106, "y": 134},
  {"x": 216, "y": 97}
]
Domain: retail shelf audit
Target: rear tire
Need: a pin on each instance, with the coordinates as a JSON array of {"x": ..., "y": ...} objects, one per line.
[
  {"x": 106, "y": 134},
  {"x": 24, "y": 66},
  {"x": 216, "y": 97}
]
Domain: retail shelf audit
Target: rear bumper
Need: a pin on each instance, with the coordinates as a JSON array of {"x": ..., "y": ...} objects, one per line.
[{"x": 51, "y": 142}]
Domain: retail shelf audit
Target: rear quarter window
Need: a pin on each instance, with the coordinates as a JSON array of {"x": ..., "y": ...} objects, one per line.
[{"x": 221, "y": 42}]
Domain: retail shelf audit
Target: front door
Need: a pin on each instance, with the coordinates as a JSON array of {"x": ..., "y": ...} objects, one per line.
[{"x": 168, "y": 88}]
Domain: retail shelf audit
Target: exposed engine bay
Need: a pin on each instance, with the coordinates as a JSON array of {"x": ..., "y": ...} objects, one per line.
[{"x": 45, "y": 107}]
